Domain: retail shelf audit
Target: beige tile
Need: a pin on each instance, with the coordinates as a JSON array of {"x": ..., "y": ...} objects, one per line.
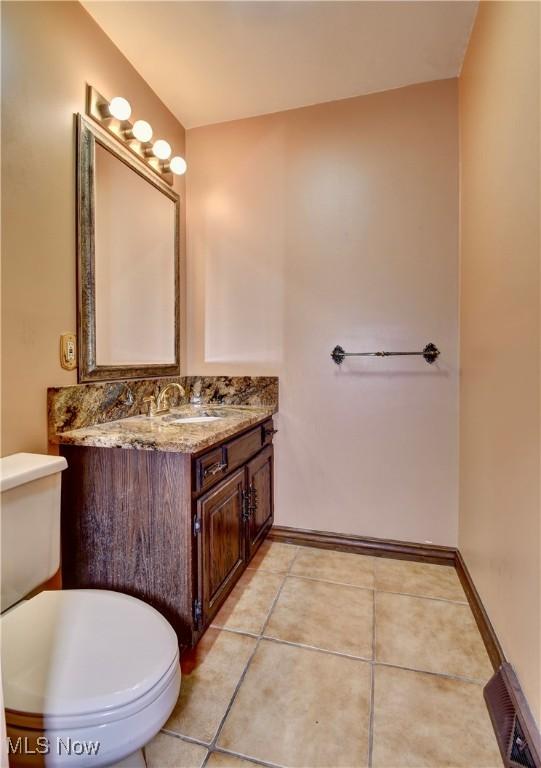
[
  {"x": 247, "y": 607},
  {"x": 300, "y": 707},
  {"x": 334, "y": 617},
  {"x": 273, "y": 556},
  {"x": 166, "y": 751},
  {"x": 430, "y": 635},
  {"x": 210, "y": 673},
  {"x": 221, "y": 760},
  {"x": 418, "y": 579},
  {"x": 426, "y": 721},
  {"x": 341, "y": 567}
]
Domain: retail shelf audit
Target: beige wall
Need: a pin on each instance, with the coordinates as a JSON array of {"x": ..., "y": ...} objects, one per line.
[
  {"x": 49, "y": 52},
  {"x": 500, "y": 381},
  {"x": 338, "y": 224}
]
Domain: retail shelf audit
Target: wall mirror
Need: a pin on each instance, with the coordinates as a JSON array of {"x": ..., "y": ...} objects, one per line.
[{"x": 128, "y": 270}]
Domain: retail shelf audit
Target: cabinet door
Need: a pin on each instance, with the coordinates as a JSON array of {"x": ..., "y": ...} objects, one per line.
[
  {"x": 261, "y": 497},
  {"x": 222, "y": 541}
]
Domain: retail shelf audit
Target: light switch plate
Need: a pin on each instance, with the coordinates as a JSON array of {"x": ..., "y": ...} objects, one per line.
[{"x": 68, "y": 351}]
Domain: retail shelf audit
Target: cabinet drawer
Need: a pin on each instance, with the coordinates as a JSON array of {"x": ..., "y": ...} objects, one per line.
[
  {"x": 210, "y": 467},
  {"x": 243, "y": 448}
]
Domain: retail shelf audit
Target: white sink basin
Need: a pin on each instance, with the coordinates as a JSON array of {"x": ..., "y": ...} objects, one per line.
[{"x": 193, "y": 419}]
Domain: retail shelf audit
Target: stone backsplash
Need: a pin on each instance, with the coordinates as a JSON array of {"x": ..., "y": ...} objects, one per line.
[{"x": 85, "y": 405}]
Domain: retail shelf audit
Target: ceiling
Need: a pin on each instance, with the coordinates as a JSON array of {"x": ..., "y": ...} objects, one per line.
[{"x": 216, "y": 61}]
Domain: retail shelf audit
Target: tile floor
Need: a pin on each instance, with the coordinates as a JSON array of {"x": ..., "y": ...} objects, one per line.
[{"x": 323, "y": 659}]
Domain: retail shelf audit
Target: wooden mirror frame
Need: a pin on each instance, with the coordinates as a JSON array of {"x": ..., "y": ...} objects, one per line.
[{"x": 88, "y": 134}]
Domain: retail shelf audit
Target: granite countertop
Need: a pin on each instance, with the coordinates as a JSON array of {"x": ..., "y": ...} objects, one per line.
[{"x": 158, "y": 433}]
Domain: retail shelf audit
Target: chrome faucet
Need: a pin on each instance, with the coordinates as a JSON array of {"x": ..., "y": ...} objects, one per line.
[{"x": 161, "y": 403}]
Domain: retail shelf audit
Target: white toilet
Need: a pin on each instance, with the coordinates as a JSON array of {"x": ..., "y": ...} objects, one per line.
[{"x": 89, "y": 676}]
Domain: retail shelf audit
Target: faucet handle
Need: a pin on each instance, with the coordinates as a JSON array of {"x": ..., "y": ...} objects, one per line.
[
  {"x": 151, "y": 400},
  {"x": 164, "y": 405}
]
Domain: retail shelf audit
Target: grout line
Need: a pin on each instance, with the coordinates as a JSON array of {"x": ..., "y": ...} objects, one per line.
[
  {"x": 205, "y": 745},
  {"x": 243, "y": 632},
  {"x": 372, "y": 678},
  {"x": 307, "y": 647},
  {"x": 213, "y": 744},
  {"x": 375, "y": 589},
  {"x": 446, "y": 675},
  {"x": 234, "y": 696},
  {"x": 327, "y": 581},
  {"x": 287, "y": 573},
  {"x": 371, "y": 715},
  {"x": 422, "y": 597},
  {"x": 183, "y": 737},
  {"x": 256, "y": 760},
  {"x": 374, "y": 617}
]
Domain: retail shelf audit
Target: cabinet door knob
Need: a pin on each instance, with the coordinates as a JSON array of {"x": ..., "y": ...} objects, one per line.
[{"x": 269, "y": 431}]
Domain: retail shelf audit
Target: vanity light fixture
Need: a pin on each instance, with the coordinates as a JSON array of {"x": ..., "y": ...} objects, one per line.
[
  {"x": 113, "y": 117},
  {"x": 178, "y": 165},
  {"x": 142, "y": 131},
  {"x": 161, "y": 149},
  {"x": 120, "y": 108}
]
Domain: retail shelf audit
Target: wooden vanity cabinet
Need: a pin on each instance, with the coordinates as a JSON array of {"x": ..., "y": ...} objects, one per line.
[{"x": 176, "y": 530}]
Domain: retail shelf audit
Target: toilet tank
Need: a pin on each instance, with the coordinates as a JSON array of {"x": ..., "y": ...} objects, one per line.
[{"x": 30, "y": 522}]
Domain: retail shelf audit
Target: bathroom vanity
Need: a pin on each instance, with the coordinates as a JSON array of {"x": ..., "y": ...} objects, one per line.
[{"x": 168, "y": 509}]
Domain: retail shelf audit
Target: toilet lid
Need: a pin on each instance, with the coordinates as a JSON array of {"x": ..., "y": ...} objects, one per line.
[{"x": 81, "y": 651}]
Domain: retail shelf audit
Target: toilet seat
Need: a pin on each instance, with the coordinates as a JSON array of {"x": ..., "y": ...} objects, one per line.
[
  {"x": 91, "y": 665},
  {"x": 118, "y": 739},
  {"x": 77, "y": 652},
  {"x": 36, "y": 721}
]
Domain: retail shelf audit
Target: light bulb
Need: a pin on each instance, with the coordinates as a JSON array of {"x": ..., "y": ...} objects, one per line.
[
  {"x": 142, "y": 131},
  {"x": 178, "y": 165},
  {"x": 161, "y": 149},
  {"x": 120, "y": 108}
]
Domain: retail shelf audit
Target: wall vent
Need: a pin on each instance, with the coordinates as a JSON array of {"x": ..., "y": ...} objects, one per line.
[{"x": 516, "y": 731}]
